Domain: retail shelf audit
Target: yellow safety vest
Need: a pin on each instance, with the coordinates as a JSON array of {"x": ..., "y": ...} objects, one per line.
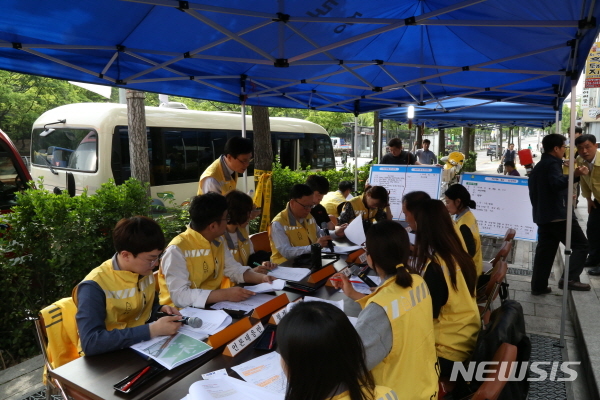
[
  {"x": 62, "y": 333},
  {"x": 381, "y": 393},
  {"x": 299, "y": 234},
  {"x": 469, "y": 220},
  {"x": 458, "y": 324},
  {"x": 218, "y": 171},
  {"x": 331, "y": 201},
  {"x": 409, "y": 311},
  {"x": 204, "y": 260},
  {"x": 359, "y": 209},
  {"x": 129, "y": 296},
  {"x": 240, "y": 250}
]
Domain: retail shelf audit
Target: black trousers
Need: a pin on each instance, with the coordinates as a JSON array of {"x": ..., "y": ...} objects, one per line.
[
  {"x": 549, "y": 236},
  {"x": 593, "y": 234}
]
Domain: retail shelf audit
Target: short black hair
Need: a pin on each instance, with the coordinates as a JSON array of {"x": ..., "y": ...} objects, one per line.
[
  {"x": 578, "y": 129},
  {"x": 300, "y": 190},
  {"x": 380, "y": 194},
  {"x": 584, "y": 138},
  {"x": 239, "y": 207},
  {"x": 318, "y": 183},
  {"x": 427, "y": 141},
  {"x": 549, "y": 142},
  {"x": 238, "y": 145},
  {"x": 137, "y": 235},
  {"x": 206, "y": 209},
  {"x": 395, "y": 142},
  {"x": 345, "y": 185},
  {"x": 411, "y": 199},
  {"x": 509, "y": 164},
  {"x": 459, "y": 192}
]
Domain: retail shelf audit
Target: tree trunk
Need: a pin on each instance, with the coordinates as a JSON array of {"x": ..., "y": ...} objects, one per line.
[
  {"x": 419, "y": 138},
  {"x": 472, "y": 143},
  {"x": 138, "y": 140},
  {"x": 466, "y": 140},
  {"x": 499, "y": 144},
  {"x": 442, "y": 141},
  {"x": 375, "y": 146},
  {"x": 263, "y": 151}
]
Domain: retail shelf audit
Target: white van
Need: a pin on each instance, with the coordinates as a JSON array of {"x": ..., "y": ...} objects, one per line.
[{"x": 92, "y": 145}]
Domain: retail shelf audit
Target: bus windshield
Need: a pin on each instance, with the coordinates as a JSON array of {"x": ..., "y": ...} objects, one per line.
[{"x": 75, "y": 149}]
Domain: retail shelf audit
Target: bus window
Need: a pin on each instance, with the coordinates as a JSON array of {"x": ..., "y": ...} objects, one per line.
[
  {"x": 316, "y": 152},
  {"x": 75, "y": 149}
]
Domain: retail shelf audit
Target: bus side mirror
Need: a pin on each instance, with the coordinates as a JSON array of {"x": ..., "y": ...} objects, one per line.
[{"x": 70, "y": 184}]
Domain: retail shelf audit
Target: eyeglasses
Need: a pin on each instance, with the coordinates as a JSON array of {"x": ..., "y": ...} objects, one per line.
[
  {"x": 248, "y": 161},
  {"x": 305, "y": 207}
]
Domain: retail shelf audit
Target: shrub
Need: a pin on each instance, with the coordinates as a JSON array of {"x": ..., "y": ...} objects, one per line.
[{"x": 470, "y": 164}]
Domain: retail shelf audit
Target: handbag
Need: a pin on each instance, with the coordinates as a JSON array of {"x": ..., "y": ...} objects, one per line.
[{"x": 500, "y": 169}]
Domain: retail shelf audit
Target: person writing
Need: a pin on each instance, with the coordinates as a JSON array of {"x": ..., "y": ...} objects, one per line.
[
  {"x": 221, "y": 176},
  {"x": 398, "y": 336},
  {"x": 372, "y": 206},
  {"x": 194, "y": 263},
  {"x": 450, "y": 274},
  {"x": 459, "y": 205},
  {"x": 323, "y": 358},
  {"x": 332, "y": 200},
  {"x": 294, "y": 229},
  {"x": 117, "y": 299}
]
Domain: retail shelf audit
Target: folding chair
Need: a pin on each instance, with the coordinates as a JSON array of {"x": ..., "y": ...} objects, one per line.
[
  {"x": 260, "y": 241},
  {"x": 489, "y": 267}
]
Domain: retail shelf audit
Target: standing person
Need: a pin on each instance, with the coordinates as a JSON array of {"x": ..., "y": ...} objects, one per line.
[
  {"x": 590, "y": 188},
  {"x": 320, "y": 186},
  {"x": 398, "y": 335},
  {"x": 509, "y": 154},
  {"x": 221, "y": 176},
  {"x": 332, "y": 200},
  {"x": 194, "y": 263},
  {"x": 117, "y": 299},
  {"x": 424, "y": 155},
  {"x": 509, "y": 169},
  {"x": 372, "y": 206},
  {"x": 548, "y": 191},
  {"x": 294, "y": 229},
  {"x": 397, "y": 155},
  {"x": 323, "y": 358}
]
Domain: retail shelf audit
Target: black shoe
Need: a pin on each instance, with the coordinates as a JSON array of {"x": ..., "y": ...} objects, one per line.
[
  {"x": 540, "y": 292},
  {"x": 574, "y": 285},
  {"x": 594, "y": 271}
]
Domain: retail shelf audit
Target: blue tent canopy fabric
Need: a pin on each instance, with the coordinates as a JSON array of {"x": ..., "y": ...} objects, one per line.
[
  {"x": 469, "y": 112},
  {"x": 329, "y": 55}
]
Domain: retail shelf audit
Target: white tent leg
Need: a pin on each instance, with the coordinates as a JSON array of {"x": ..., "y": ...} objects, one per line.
[
  {"x": 244, "y": 135},
  {"x": 356, "y": 152}
]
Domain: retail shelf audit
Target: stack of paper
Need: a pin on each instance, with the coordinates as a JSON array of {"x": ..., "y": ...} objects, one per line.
[
  {"x": 267, "y": 287},
  {"x": 229, "y": 388},
  {"x": 213, "y": 321},
  {"x": 341, "y": 249},
  {"x": 171, "y": 351},
  {"x": 289, "y": 273},
  {"x": 245, "y": 305},
  {"x": 264, "y": 371}
]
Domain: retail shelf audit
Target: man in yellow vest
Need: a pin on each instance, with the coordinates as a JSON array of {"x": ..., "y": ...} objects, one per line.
[
  {"x": 115, "y": 300},
  {"x": 194, "y": 263},
  {"x": 221, "y": 176},
  {"x": 294, "y": 229},
  {"x": 332, "y": 200}
]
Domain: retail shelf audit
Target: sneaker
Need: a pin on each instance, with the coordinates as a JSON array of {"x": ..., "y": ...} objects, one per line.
[{"x": 540, "y": 292}]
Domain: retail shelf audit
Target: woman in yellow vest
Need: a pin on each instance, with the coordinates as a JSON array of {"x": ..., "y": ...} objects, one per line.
[
  {"x": 332, "y": 200},
  {"x": 372, "y": 206},
  {"x": 116, "y": 300},
  {"x": 239, "y": 209},
  {"x": 450, "y": 274},
  {"x": 323, "y": 357},
  {"x": 395, "y": 324},
  {"x": 459, "y": 205}
]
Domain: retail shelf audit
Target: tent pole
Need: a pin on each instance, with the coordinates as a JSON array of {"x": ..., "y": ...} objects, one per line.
[
  {"x": 356, "y": 152},
  {"x": 556, "y": 127},
  {"x": 244, "y": 135},
  {"x": 379, "y": 147},
  {"x": 569, "y": 211}
]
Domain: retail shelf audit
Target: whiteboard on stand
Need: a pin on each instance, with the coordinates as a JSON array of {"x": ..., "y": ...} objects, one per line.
[
  {"x": 402, "y": 179},
  {"x": 502, "y": 202}
]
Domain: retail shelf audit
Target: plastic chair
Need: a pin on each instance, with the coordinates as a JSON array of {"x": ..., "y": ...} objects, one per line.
[
  {"x": 260, "y": 241},
  {"x": 491, "y": 390}
]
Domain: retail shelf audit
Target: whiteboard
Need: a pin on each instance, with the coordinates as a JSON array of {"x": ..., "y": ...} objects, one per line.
[
  {"x": 502, "y": 202},
  {"x": 402, "y": 179}
]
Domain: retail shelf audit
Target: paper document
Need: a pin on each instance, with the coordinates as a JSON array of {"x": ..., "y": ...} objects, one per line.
[
  {"x": 266, "y": 287},
  {"x": 213, "y": 321},
  {"x": 339, "y": 304},
  {"x": 245, "y": 305},
  {"x": 215, "y": 374},
  {"x": 264, "y": 371},
  {"x": 171, "y": 351},
  {"x": 289, "y": 273},
  {"x": 228, "y": 388},
  {"x": 355, "y": 231},
  {"x": 411, "y": 238},
  {"x": 341, "y": 249}
]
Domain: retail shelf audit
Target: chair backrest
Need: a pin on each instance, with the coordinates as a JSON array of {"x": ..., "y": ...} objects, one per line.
[
  {"x": 491, "y": 390},
  {"x": 260, "y": 241},
  {"x": 496, "y": 279},
  {"x": 509, "y": 235},
  {"x": 502, "y": 253}
]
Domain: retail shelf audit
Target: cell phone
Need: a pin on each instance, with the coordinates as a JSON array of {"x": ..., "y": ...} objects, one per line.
[
  {"x": 363, "y": 274},
  {"x": 267, "y": 341}
]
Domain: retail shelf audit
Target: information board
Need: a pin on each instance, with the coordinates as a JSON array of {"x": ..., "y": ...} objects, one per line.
[
  {"x": 402, "y": 179},
  {"x": 502, "y": 202}
]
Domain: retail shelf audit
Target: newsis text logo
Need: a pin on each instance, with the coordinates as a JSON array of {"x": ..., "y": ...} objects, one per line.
[{"x": 515, "y": 371}]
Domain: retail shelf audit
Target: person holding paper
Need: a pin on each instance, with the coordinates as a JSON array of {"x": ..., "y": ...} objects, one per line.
[
  {"x": 194, "y": 263},
  {"x": 450, "y": 274},
  {"x": 459, "y": 205},
  {"x": 398, "y": 336},
  {"x": 332, "y": 200},
  {"x": 117, "y": 299},
  {"x": 294, "y": 229},
  {"x": 323, "y": 357},
  {"x": 372, "y": 206}
]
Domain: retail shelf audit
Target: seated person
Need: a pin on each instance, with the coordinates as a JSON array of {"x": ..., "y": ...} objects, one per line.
[
  {"x": 323, "y": 358},
  {"x": 320, "y": 186},
  {"x": 332, "y": 200},
  {"x": 459, "y": 204},
  {"x": 194, "y": 263},
  {"x": 372, "y": 206},
  {"x": 399, "y": 345},
  {"x": 239, "y": 209},
  {"x": 108, "y": 323},
  {"x": 293, "y": 230}
]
